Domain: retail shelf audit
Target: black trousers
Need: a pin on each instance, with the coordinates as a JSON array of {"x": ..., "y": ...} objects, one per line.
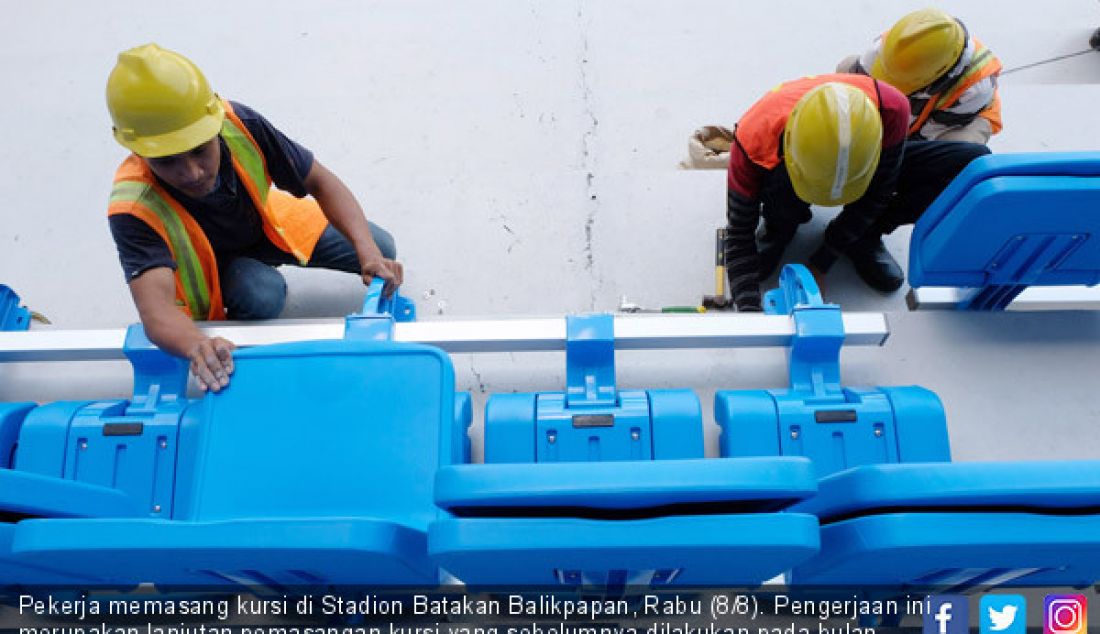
[{"x": 926, "y": 169}]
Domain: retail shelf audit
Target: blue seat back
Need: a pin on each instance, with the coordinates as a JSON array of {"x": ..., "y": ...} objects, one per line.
[
  {"x": 592, "y": 420},
  {"x": 1011, "y": 221},
  {"x": 126, "y": 445},
  {"x": 322, "y": 429},
  {"x": 836, "y": 427}
]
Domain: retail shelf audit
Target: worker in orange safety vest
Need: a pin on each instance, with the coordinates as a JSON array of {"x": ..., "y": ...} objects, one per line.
[
  {"x": 949, "y": 76},
  {"x": 211, "y": 199}
]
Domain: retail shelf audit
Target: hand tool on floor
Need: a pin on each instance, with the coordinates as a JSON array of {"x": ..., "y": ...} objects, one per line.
[
  {"x": 631, "y": 307},
  {"x": 719, "y": 301}
]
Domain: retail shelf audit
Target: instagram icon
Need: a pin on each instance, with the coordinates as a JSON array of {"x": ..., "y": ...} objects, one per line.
[{"x": 1065, "y": 614}]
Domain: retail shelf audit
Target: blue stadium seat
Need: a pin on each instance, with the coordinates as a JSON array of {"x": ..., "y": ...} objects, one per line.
[
  {"x": 314, "y": 467},
  {"x": 894, "y": 509},
  {"x": 600, "y": 486},
  {"x": 1010, "y": 221}
]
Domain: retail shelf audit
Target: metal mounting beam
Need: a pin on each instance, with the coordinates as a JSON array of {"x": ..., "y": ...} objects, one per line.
[
  {"x": 632, "y": 332},
  {"x": 1034, "y": 298}
]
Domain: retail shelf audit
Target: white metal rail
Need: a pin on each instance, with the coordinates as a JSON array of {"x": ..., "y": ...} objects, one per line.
[{"x": 1034, "y": 298}]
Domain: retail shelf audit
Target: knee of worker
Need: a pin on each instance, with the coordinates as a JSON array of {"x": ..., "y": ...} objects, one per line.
[
  {"x": 959, "y": 154},
  {"x": 384, "y": 239},
  {"x": 252, "y": 290}
]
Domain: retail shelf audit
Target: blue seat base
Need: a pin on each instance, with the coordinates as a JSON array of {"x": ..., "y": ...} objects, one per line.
[
  {"x": 758, "y": 484},
  {"x": 957, "y": 550},
  {"x": 14, "y": 572},
  {"x": 716, "y": 550},
  {"x": 268, "y": 552},
  {"x": 963, "y": 485},
  {"x": 1005, "y": 523}
]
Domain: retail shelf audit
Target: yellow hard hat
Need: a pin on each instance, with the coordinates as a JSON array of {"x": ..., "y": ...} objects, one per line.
[
  {"x": 160, "y": 102},
  {"x": 922, "y": 47},
  {"x": 832, "y": 144}
]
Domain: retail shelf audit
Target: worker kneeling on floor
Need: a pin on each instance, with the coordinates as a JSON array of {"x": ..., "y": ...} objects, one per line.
[
  {"x": 829, "y": 140},
  {"x": 199, "y": 227}
]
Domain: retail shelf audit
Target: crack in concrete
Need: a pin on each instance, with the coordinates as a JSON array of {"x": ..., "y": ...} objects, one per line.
[
  {"x": 477, "y": 375},
  {"x": 588, "y": 142}
]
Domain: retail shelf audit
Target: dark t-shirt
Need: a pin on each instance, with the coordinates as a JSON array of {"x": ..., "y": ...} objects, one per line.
[{"x": 226, "y": 215}]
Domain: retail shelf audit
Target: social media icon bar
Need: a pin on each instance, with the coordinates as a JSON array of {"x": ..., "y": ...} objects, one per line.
[
  {"x": 947, "y": 614},
  {"x": 1003, "y": 614},
  {"x": 1065, "y": 614}
]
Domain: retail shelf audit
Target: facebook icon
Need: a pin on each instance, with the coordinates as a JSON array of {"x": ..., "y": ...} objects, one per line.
[{"x": 946, "y": 614}]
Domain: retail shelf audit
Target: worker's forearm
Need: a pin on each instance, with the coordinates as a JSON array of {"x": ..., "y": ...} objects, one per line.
[
  {"x": 172, "y": 330},
  {"x": 343, "y": 211}
]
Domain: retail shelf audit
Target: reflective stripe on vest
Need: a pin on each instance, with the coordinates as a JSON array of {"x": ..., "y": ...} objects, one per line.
[
  {"x": 244, "y": 150},
  {"x": 188, "y": 267},
  {"x": 983, "y": 57},
  {"x": 249, "y": 161}
]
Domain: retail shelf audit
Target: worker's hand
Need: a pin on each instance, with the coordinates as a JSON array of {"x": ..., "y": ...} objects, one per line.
[
  {"x": 212, "y": 362},
  {"x": 378, "y": 266}
]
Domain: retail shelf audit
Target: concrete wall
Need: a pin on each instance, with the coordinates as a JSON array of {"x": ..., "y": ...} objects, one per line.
[{"x": 525, "y": 155}]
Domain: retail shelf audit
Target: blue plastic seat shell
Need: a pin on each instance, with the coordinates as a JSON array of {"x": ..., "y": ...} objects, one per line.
[
  {"x": 964, "y": 485},
  {"x": 951, "y": 242},
  {"x": 14, "y": 572},
  {"x": 314, "y": 466},
  {"x": 11, "y": 421},
  {"x": 283, "y": 551},
  {"x": 770, "y": 482},
  {"x": 957, "y": 548}
]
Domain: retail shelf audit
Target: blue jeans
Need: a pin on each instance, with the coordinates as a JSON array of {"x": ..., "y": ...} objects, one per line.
[{"x": 253, "y": 289}]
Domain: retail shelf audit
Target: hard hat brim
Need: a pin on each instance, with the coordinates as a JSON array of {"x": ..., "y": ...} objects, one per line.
[{"x": 177, "y": 141}]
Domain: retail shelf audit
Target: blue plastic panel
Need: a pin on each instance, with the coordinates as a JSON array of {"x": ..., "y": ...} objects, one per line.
[
  {"x": 45, "y": 496},
  {"x": 510, "y": 428},
  {"x": 14, "y": 572},
  {"x": 758, "y": 483},
  {"x": 1026, "y": 219},
  {"x": 12, "y": 315},
  {"x": 135, "y": 452},
  {"x": 957, "y": 549},
  {"x": 315, "y": 465},
  {"x": 460, "y": 437},
  {"x": 856, "y": 427},
  {"x": 963, "y": 485},
  {"x": 270, "y": 552},
  {"x": 920, "y": 424},
  {"x": 559, "y": 436},
  {"x": 677, "y": 424},
  {"x": 347, "y": 414},
  {"x": 716, "y": 550},
  {"x": 748, "y": 423},
  {"x": 838, "y": 435},
  {"x": 11, "y": 422},
  {"x": 643, "y": 425},
  {"x": 45, "y": 436}
]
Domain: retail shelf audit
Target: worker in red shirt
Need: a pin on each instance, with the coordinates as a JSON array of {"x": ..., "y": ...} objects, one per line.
[{"x": 830, "y": 140}]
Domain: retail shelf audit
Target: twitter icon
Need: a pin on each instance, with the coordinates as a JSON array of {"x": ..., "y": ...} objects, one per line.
[{"x": 1003, "y": 614}]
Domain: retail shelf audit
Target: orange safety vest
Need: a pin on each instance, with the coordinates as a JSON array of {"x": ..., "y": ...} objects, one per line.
[
  {"x": 984, "y": 64},
  {"x": 292, "y": 224},
  {"x": 761, "y": 128}
]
